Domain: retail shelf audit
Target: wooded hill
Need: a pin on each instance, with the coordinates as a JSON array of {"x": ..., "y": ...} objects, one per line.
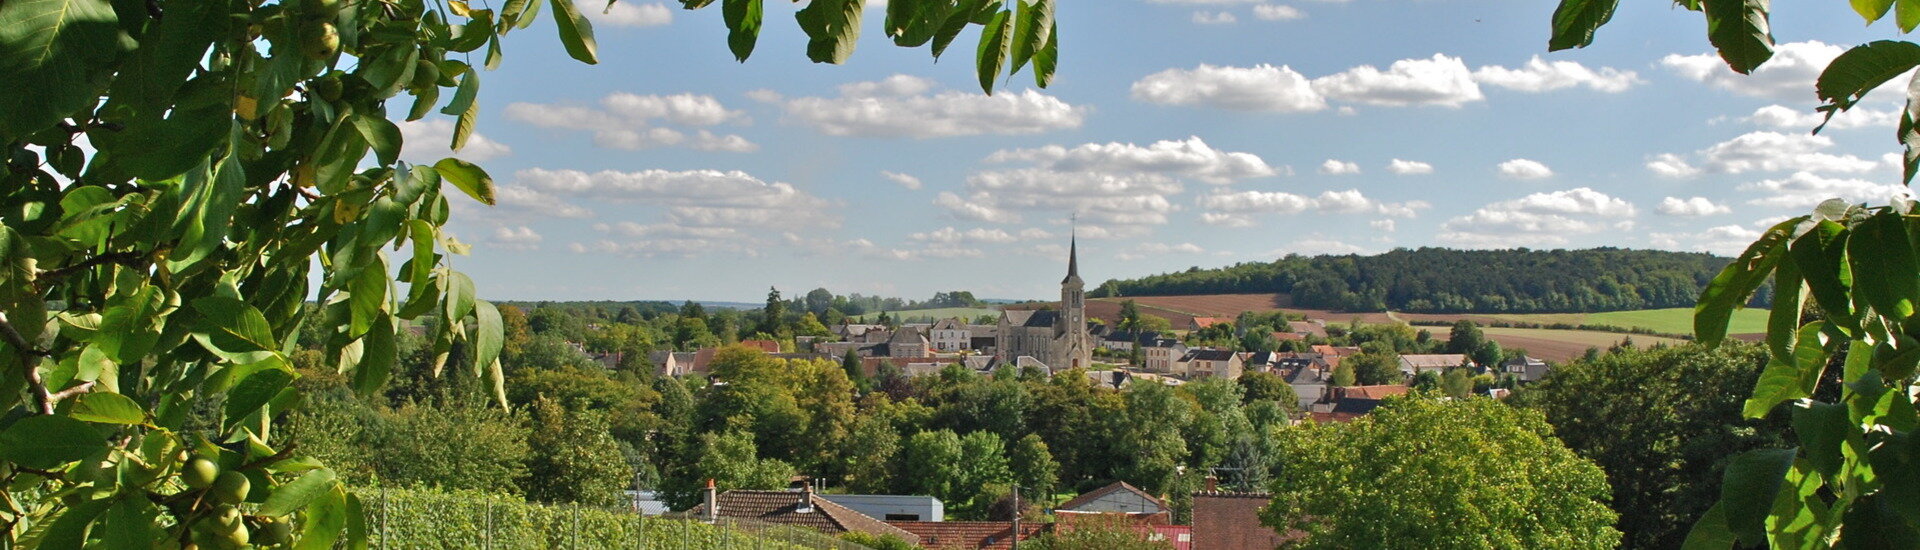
[{"x": 1442, "y": 280}]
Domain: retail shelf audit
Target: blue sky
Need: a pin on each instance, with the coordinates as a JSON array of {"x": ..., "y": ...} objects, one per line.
[{"x": 1181, "y": 132}]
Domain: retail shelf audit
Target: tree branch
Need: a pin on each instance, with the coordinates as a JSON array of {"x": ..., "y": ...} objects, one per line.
[
  {"x": 27, "y": 353},
  {"x": 126, "y": 258},
  {"x": 275, "y": 457},
  {"x": 84, "y": 387}
]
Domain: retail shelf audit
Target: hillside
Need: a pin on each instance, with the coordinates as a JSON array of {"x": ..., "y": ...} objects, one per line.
[{"x": 1441, "y": 280}]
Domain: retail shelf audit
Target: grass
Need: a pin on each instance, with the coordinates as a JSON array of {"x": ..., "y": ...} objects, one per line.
[
  {"x": 1679, "y": 320},
  {"x": 967, "y": 314}
]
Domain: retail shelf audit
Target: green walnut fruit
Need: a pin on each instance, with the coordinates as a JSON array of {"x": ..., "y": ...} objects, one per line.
[
  {"x": 199, "y": 473},
  {"x": 425, "y": 75},
  {"x": 275, "y": 532},
  {"x": 227, "y": 518},
  {"x": 230, "y": 488},
  {"x": 329, "y": 87},
  {"x": 325, "y": 8},
  {"x": 321, "y": 41}
]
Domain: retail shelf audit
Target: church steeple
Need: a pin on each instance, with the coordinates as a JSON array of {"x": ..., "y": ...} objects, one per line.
[{"x": 1073, "y": 261}]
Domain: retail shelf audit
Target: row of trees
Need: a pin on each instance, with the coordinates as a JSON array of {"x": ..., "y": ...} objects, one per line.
[{"x": 1442, "y": 280}]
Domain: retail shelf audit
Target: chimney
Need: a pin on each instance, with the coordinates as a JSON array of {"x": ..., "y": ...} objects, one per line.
[
  {"x": 1212, "y": 483},
  {"x": 806, "y": 498},
  {"x": 713, "y": 503}
]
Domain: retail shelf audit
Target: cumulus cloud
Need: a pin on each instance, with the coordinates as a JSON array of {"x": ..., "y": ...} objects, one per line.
[
  {"x": 514, "y": 238},
  {"x": 1725, "y": 240},
  {"x": 903, "y": 180},
  {"x": 1116, "y": 188},
  {"x": 1778, "y": 152},
  {"x": 1277, "y": 12},
  {"x": 1690, "y": 207},
  {"x": 1214, "y": 18},
  {"x": 1806, "y": 190},
  {"x": 694, "y": 198},
  {"x": 1787, "y": 118},
  {"x": 1524, "y": 169},
  {"x": 949, "y": 235},
  {"x": 1191, "y": 157},
  {"x": 629, "y": 14},
  {"x": 971, "y": 210},
  {"x": 1336, "y": 167},
  {"x": 1382, "y": 225},
  {"x": 518, "y": 202},
  {"x": 632, "y": 121},
  {"x": 908, "y": 106},
  {"x": 1409, "y": 167},
  {"x": 1787, "y": 76},
  {"x": 1671, "y": 165},
  {"x": 1245, "y": 208},
  {"x": 1317, "y": 244},
  {"x": 1539, "y": 219},
  {"x": 1150, "y": 250},
  {"x": 1439, "y": 80},
  {"x": 426, "y": 141},
  {"x": 1259, "y": 88},
  {"x": 1540, "y": 75}
]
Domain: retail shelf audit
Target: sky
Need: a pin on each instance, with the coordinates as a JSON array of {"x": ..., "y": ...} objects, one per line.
[{"x": 1177, "y": 132}]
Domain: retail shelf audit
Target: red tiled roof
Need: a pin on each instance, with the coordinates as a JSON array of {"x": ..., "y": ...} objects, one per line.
[
  {"x": 1231, "y": 521},
  {"x": 783, "y": 507},
  {"x": 967, "y": 535},
  {"x": 768, "y": 346},
  {"x": 1368, "y": 392},
  {"x": 1204, "y": 322}
]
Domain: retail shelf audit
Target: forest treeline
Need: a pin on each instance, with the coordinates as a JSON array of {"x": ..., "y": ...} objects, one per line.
[{"x": 1442, "y": 280}]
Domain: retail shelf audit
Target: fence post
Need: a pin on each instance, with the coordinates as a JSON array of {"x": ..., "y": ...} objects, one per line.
[
  {"x": 486, "y": 535},
  {"x": 573, "y": 539},
  {"x": 383, "y": 516}
]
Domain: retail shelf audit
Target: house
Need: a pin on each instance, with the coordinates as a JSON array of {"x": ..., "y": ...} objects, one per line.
[
  {"x": 968, "y": 535},
  {"x": 1118, "y": 498},
  {"x": 1415, "y": 364},
  {"x": 1334, "y": 351},
  {"x": 1231, "y": 521},
  {"x": 891, "y": 508},
  {"x": 1160, "y": 356},
  {"x": 950, "y": 335},
  {"x": 1204, "y": 322},
  {"x": 907, "y": 342},
  {"x": 800, "y": 508},
  {"x": 1123, "y": 340},
  {"x": 1307, "y": 375},
  {"x": 1526, "y": 368},
  {"x": 1111, "y": 379},
  {"x": 1289, "y": 336},
  {"x": 1344, "y": 404},
  {"x": 768, "y": 346},
  {"x": 1205, "y": 362},
  {"x": 681, "y": 363}
]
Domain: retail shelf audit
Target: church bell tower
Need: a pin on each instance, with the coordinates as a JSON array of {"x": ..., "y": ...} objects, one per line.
[{"x": 1070, "y": 333}]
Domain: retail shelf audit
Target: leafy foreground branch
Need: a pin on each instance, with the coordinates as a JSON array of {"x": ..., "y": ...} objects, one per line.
[
  {"x": 185, "y": 176},
  {"x": 1846, "y": 279}
]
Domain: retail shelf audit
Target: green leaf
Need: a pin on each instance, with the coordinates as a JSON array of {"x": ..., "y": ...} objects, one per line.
[
  {"x": 377, "y": 358},
  {"x": 367, "y": 299},
  {"x": 66, "y": 49},
  {"x": 1748, "y": 488},
  {"x": 459, "y": 300},
  {"x": 955, "y": 21},
  {"x": 463, "y": 96},
  {"x": 44, "y": 442},
  {"x": 1906, "y": 14},
  {"x": 129, "y": 524},
  {"x": 296, "y": 494},
  {"x": 232, "y": 329},
  {"x": 914, "y": 22},
  {"x": 489, "y": 336},
  {"x": 1783, "y": 317},
  {"x": 743, "y": 26},
  {"x": 326, "y": 517},
  {"x": 1871, "y": 10},
  {"x": 1710, "y": 532},
  {"x": 107, "y": 408},
  {"x": 1884, "y": 265},
  {"x": 1033, "y": 26},
  {"x": 468, "y": 177},
  {"x": 833, "y": 28},
  {"x": 1822, "y": 429},
  {"x": 1575, "y": 22},
  {"x": 1859, "y": 70},
  {"x": 463, "y": 127},
  {"x": 1047, "y": 59},
  {"x": 209, "y": 213},
  {"x": 255, "y": 391},
  {"x": 382, "y": 135},
  {"x": 993, "y": 49},
  {"x": 1821, "y": 257},
  {"x": 167, "y": 55},
  {"x": 69, "y": 530},
  {"x": 1739, "y": 29},
  {"x": 1731, "y": 287},
  {"x": 575, "y": 32},
  {"x": 1794, "y": 377}
]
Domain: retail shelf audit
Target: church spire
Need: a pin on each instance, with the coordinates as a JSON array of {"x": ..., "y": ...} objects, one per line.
[{"x": 1073, "y": 260}]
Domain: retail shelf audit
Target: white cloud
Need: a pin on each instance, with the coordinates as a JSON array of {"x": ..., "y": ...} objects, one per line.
[
  {"x": 515, "y": 202},
  {"x": 1204, "y": 2},
  {"x": 1277, "y": 12},
  {"x": 1245, "y": 208},
  {"x": 1191, "y": 157},
  {"x": 1690, "y": 207},
  {"x": 1148, "y": 250},
  {"x": 1383, "y": 225},
  {"x": 904, "y": 180},
  {"x": 906, "y": 106},
  {"x": 1539, "y": 219},
  {"x": 694, "y": 198},
  {"x": 629, "y": 14},
  {"x": 1439, "y": 80},
  {"x": 629, "y": 121},
  {"x": 1540, "y": 75},
  {"x": 1777, "y": 152},
  {"x": 1339, "y": 167},
  {"x": 1409, "y": 167},
  {"x": 515, "y": 238},
  {"x": 1788, "y": 76},
  {"x": 971, "y": 210},
  {"x": 1524, "y": 169},
  {"x": 949, "y": 235},
  {"x": 1214, "y": 18},
  {"x": 1806, "y": 190},
  {"x": 1725, "y": 240},
  {"x": 426, "y": 141},
  {"x": 1315, "y": 245},
  {"x": 1671, "y": 165},
  {"x": 1787, "y": 118},
  {"x": 1258, "y": 88}
]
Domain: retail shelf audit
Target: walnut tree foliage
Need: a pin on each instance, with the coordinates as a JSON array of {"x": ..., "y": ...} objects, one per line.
[
  {"x": 182, "y": 177},
  {"x": 1854, "y": 479}
]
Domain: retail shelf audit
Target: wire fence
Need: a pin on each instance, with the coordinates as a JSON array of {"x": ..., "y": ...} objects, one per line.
[{"x": 426, "y": 520}]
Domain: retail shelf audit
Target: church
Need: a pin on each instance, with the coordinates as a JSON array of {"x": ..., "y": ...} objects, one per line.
[{"x": 1057, "y": 338}]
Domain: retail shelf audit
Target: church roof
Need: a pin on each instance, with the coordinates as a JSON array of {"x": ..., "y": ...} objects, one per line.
[{"x": 1046, "y": 318}]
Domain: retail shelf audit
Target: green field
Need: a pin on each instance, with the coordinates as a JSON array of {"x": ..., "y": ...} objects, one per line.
[
  {"x": 1564, "y": 345},
  {"x": 965, "y": 313},
  {"x": 1665, "y": 321}
]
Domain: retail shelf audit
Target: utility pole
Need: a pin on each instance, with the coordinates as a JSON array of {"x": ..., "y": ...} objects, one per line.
[{"x": 1016, "y": 517}]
